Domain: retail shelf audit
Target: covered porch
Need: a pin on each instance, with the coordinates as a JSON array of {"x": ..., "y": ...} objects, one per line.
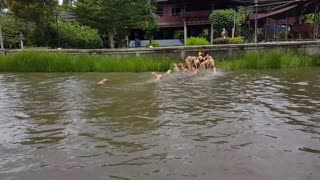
[
  {"x": 284, "y": 20},
  {"x": 180, "y": 19}
]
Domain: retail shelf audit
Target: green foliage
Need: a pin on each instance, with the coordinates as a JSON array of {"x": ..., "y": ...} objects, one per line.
[
  {"x": 272, "y": 59},
  {"x": 204, "y": 33},
  {"x": 39, "y": 12},
  {"x": 74, "y": 35},
  {"x": 58, "y": 62},
  {"x": 154, "y": 43},
  {"x": 178, "y": 34},
  {"x": 67, "y": 2},
  {"x": 236, "y": 40},
  {"x": 197, "y": 41},
  {"x": 150, "y": 25},
  {"x": 111, "y": 16},
  {"x": 32, "y": 61},
  {"x": 308, "y": 18},
  {"x": 11, "y": 28},
  {"x": 223, "y": 19},
  {"x": 247, "y": 33},
  {"x": 243, "y": 12},
  {"x": 221, "y": 41},
  {"x": 3, "y": 5}
]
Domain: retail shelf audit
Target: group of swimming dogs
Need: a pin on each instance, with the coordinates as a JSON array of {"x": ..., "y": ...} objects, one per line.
[{"x": 192, "y": 63}]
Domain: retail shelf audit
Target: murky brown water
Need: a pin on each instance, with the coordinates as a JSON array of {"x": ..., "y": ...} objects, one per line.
[{"x": 235, "y": 126}]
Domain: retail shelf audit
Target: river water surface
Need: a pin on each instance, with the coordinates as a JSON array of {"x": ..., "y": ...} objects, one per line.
[{"x": 239, "y": 125}]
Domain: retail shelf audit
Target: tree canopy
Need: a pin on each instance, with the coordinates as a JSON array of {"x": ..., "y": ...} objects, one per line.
[
  {"x": 3, "y": 4},
  {"x": 33, "y": 10},
  {"x": 112, "y": 16},
  {"x": 41, "y": 12},
  {"x": 223, "y": 18}
]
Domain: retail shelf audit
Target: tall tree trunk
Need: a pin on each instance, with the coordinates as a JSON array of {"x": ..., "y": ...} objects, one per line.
[
  {"x": 1, "y": 40},
  {"x": 111, "y": 41}
]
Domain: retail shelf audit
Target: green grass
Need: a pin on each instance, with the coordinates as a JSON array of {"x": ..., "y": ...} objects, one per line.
[
  {"x": 59, "y": 62},
  {"x": 271, "y": 59},
  {"x": 32, "y": 61}
]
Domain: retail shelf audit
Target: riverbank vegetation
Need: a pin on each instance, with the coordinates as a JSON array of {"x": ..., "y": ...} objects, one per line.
[
  {"x": 272, "y": 59},
  {"x": 31, "y": 61},
  {"x": 59, "y": 62}
]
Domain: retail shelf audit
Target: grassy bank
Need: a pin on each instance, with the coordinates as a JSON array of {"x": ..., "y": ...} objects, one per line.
[
  {"x": 29, "y": 61},
  {"x": 272, "y": 59},
  {"x": 58, "y": 62}
]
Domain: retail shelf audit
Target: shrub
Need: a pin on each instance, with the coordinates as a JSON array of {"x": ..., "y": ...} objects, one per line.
[
  {"x": 154, "y": 43},
  {"x": 236, "y": 40},
  {"x": 178, "y": 35},
  {"x": 197, "y": 41},
  {"x": 74, "y": 35},
  {"x": 223, "y": 19},
  {"x": 221, "y": 41},
  {"x": 11, "y": 29}
]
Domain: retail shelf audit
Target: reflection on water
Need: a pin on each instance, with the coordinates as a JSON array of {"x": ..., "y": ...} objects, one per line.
[{"x": 237, "y": 125}]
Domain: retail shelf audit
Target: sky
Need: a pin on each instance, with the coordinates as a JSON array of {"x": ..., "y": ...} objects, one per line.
[{"x": 60, "y": 2}]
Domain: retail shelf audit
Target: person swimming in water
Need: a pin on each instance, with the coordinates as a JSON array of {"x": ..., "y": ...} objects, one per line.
[{"x": 208, "y": 62}]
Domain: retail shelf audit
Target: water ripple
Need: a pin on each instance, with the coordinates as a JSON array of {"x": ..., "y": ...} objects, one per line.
[{"x": 226, "y": 125}]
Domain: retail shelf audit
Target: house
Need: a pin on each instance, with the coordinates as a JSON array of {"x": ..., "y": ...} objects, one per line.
[
  {"x": 180, "y": 19},
  {"x": 272, "y": 14}
]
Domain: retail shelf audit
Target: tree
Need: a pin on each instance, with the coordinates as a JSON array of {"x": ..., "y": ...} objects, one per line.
[
  {"x": 223, "y": 19},
  {"x": 67, "y": 2},
  {"x": 12, "y": 27},
  {"x": 3, "y": 5},
  {"x": 112, "y": 16},
  {"x": 150, "y": 25},
  {"x": 74, "y": 35},
  {"x": 38, "y": 11}
]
